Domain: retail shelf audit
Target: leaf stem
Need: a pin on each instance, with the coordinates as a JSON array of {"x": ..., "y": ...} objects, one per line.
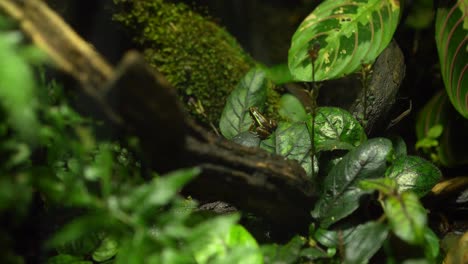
[
  {"x": 365, "y": 73},
  {"x": 313, "y": 91}
]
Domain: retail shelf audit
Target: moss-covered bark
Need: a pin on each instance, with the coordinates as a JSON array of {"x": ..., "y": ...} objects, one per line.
[{"x": 197, "y": 56}]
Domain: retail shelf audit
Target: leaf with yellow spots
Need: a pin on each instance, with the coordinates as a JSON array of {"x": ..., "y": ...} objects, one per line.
[{"x": 348, "y": 32}]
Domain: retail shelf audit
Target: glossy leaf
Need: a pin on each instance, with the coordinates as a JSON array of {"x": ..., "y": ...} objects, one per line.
[
  {"x": 399, "y": 146},
  {"x": 360, "y": 242},
  {"x": 207, "y": 238},
  {"x": 414, "y": 174},
  {"x": 348, "y": 33},
  {"x": 336, "y": 128},
  {"x": 331, "y": 238},
  {"x": 451, "y": 39},
  {"x": 158, "y": 192},
  {"x": 291, "y": 109},
  {"x": 364, "y": 242},
  {"x": 269, "y": 144},
  {"x": 279, "y": 74},
  {"x": 108, "y": 249},
  {"x": 17, "y": 87},
  {"x": 236, "y": 238},
  {"x": 341, "y": 192},
  {"x": 286, "y": 254},
  {"x": 432, "y": 244},
  {"x": 247, "y": 138},
  {"x": 385, "y": 186},
  {"x": 407, "y": 217},
  {"x": 251, "y": 91},
  {"x": 293, "y": 142},
  {"x": 312, "y": 253}
]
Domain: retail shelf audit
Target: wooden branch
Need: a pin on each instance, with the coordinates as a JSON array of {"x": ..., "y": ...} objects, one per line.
[{"x": 139, "y": 100}]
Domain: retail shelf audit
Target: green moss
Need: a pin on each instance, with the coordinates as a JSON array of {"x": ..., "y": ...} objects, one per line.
[{"x": 197, "y": 56}]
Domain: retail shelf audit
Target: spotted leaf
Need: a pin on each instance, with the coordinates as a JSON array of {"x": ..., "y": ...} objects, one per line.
[{"x": 344, "y": 34}]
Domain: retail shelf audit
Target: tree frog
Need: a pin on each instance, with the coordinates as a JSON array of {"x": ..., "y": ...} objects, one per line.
[{"x": 262, "y": 126}]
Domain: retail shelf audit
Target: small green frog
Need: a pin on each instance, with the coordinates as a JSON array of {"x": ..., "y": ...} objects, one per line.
[{"x": 262, "y": 126}]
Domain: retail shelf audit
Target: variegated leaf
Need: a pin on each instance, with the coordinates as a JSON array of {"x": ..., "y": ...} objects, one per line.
[
  {"x": 452, "y": 46},
  {"x": 348, "y": 33}
]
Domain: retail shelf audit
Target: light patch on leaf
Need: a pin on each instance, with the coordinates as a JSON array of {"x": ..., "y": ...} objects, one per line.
[
  {"x": 395, "y": 4},
  {"x": 311, "y": 17},
  {"x": 339, "y": 11},
  {"x": 326, "y": 57}
]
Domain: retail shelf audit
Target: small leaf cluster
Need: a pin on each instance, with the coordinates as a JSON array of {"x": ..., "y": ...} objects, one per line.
[
  {"x": 349, "y": 168},
  {"x": 335, "y": 128},
  {"x": 87, "y": 196}
]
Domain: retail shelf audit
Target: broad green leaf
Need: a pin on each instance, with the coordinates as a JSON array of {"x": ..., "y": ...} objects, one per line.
[
  {"x": 348, "y": 33},
  {"x": 360, "y": 242},
  {"x": 234, "y": 245},
  {"x": 81, "y": 236},
  {"x": 384, "y": 185},
  {"x": 341, "y": 192},
  {"x": 284, "y": 254},
  {"x": 169, "y": 255},
  {"x": 312, "y": 253},
  {"x": 432, "y": 245},
  {"x": 17, "y": 87},
  {"x": 291, "y": 109},
  {"x": 208, "y": 239},
  {"x": 158, "y": 192},
  {"x": 293, "y": 142},
  {"x": 332, "y": 238},
  {"x": 247, "y": 138},
  {"x": 239, "y": 238},
  {"x": 279, "y": 74},
  {"x": 67, "y": 259},
  {"x": 364, "y": 242},
  {"x": 251, "y": 91},
  {"x": 451, "y": 40},
  {"x": 140, "y": 248},
  {"x": 399, "y": 146},
  {"x": 106, "y": 250},
  {"x": 269, "y": 144},
  {"x": 407, "y": 217},
  {"x": 414, "y": 174},
  {"x": 336, "y": 128}
]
